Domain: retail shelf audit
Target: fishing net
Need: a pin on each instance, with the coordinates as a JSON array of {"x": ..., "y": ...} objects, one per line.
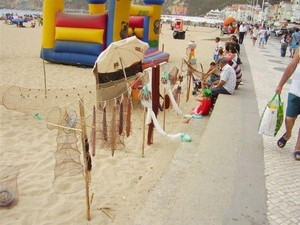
[
  {"x": 9, "y": 195},
  {"x": 68, "y": 171},
  {"x": 38, "y": 101},
  {"x": 14, "y": 99}
]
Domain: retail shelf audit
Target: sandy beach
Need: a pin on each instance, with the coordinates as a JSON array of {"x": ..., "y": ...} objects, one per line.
[{"x": 119, "y": 184}]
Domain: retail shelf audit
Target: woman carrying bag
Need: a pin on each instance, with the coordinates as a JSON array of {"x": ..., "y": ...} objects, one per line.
[{"x": 293, "y": 102}]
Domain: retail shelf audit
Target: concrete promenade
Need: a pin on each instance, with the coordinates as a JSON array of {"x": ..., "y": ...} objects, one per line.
[
  {"x": 281, "y": 170},
  {"x": 229, "y": 174}
]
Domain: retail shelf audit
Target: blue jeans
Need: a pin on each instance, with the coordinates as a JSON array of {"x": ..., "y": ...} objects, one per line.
[
  {"x": 216, "y": 91},
  {"x": 283, "y": 49}
]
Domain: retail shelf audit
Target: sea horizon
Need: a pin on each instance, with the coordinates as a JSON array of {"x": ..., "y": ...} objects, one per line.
[{"x": 22, "y": 12}]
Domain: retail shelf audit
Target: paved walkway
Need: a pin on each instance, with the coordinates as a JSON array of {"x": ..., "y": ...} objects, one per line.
[
  {"x": 281, "y": 170},
  {"x": 229, "y": 174}
]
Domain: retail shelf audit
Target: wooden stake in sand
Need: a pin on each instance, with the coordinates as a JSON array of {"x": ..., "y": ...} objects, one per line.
[
  {"x": 45, "y": 80},
  {"x": 190, "y": 74},
  {"x": 86, "y": 158},
  {"x": 144, "y": 132},
  {"x": 164, "y": 121}
]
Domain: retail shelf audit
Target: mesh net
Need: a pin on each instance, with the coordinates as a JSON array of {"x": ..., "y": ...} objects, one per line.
[
  {"x": 31, "y": 101},
  {"x": 9, "y": 195},
  {"x": 68, "y": 171}
]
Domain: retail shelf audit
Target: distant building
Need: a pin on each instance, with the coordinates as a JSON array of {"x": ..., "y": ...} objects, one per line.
[
  {"x": 295, "y": 11},
  {"x": 214, "y": 14},
  {"x": 284, "y": 11}
]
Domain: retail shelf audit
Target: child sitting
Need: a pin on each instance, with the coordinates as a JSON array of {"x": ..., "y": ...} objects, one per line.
[{"x": 203, "y": 109}]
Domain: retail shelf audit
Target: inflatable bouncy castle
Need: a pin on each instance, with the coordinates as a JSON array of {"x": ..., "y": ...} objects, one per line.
[{"x": 78, "y": 39}]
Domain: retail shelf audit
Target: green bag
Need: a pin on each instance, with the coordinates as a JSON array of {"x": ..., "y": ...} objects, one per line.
[{"x": 272, "y": 117}]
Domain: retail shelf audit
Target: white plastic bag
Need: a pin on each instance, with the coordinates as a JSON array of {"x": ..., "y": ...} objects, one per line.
[{"x": 272, "y": 117}]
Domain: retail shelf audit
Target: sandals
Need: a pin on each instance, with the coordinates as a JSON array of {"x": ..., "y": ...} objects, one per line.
[
  {"x": 281, "y": 142},
  {"x": 297, "y": 155}
]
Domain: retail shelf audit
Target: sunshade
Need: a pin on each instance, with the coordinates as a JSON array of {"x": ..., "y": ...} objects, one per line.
[{"x": 121, "y": 59}]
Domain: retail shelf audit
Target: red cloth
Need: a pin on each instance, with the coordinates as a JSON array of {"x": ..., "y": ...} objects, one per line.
[{"x": 204, "y": 106}]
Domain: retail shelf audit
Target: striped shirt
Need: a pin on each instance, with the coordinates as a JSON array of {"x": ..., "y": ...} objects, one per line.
[{"x": 238, "y": 71}]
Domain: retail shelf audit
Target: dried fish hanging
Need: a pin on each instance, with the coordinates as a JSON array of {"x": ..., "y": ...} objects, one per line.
[{"x": 112, "y": 116}]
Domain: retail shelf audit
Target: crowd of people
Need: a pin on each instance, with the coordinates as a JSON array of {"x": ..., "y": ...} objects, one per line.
[
  {"x": 18, "y": 20},
  {"x": 225, "y": 74}
]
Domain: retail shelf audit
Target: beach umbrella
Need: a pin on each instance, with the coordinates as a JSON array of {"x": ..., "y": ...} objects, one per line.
[
  {"x": 17, "y": 20},
  {"x": 113, "y": 69},
  {"x": 122, "y": 59}
]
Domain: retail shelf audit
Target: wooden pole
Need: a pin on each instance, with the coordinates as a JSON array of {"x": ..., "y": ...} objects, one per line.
[
  {"x": 189, "y": 85},
  {"x": 45, "y": 80},
  {"x": 144, "y": 132},
  {"x": 164, "y": 122},
  {"x": 70, "y": 128},
  {"x": 84, "y": 150}
]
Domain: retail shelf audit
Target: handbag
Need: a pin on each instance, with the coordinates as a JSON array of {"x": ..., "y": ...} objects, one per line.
[{"x": 272, "y": 117}]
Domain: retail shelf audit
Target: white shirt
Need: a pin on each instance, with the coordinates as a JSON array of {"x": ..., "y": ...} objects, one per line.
[
  {"x": 228, "y": 75},
  {"x": 255, "y": 32},
  {"x": 295, "y": 85},
  {"x": 243, "y": 28},
  {"x": 218, "y": 46},
  {"x": 262, "y": 33}
]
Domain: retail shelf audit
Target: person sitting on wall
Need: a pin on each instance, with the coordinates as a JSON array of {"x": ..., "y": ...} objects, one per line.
[
  {"x": 237, "y": 69},
  {"x": 227, "y": 81}
]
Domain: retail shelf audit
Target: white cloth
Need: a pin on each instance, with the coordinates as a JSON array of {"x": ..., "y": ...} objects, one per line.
[{"x": 228, "y": 75}]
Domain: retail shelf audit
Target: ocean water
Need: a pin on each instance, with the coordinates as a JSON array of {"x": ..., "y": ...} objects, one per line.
[
  {"x": 31, "y": 12},
  {"x": 20, "y": 12}
]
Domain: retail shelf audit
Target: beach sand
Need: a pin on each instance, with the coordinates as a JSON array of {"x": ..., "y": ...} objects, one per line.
[{"x": 119, "y": 184}]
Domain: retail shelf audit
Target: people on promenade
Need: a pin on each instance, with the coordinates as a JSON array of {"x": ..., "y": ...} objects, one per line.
[
  {"x": 242, "y": 32},
  {"x": 295, "y": 39},
  {"x": 211, "y": 77},
  {"x": 284, "y": 44},
  {"x": 216, "y": 51},
  {"x": 293, "y": 102},
  {"x": 254, "y": 34},
  {"x": 232, "y": 52},
  {"x": 227, "y": 81},
  {"x": 237, "y": 69},
  {"x": 203, "y": 108},
  {"x": 261, "y": 35},
  {"x": 221, "y": 52},
  {"x": 236, "y": 45},
  {"x": 251, "y": 30},
  {"x": 229, "y": 29},
  {"x": 267, "y": 34},
  {"x": 235, "y": 42}
]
